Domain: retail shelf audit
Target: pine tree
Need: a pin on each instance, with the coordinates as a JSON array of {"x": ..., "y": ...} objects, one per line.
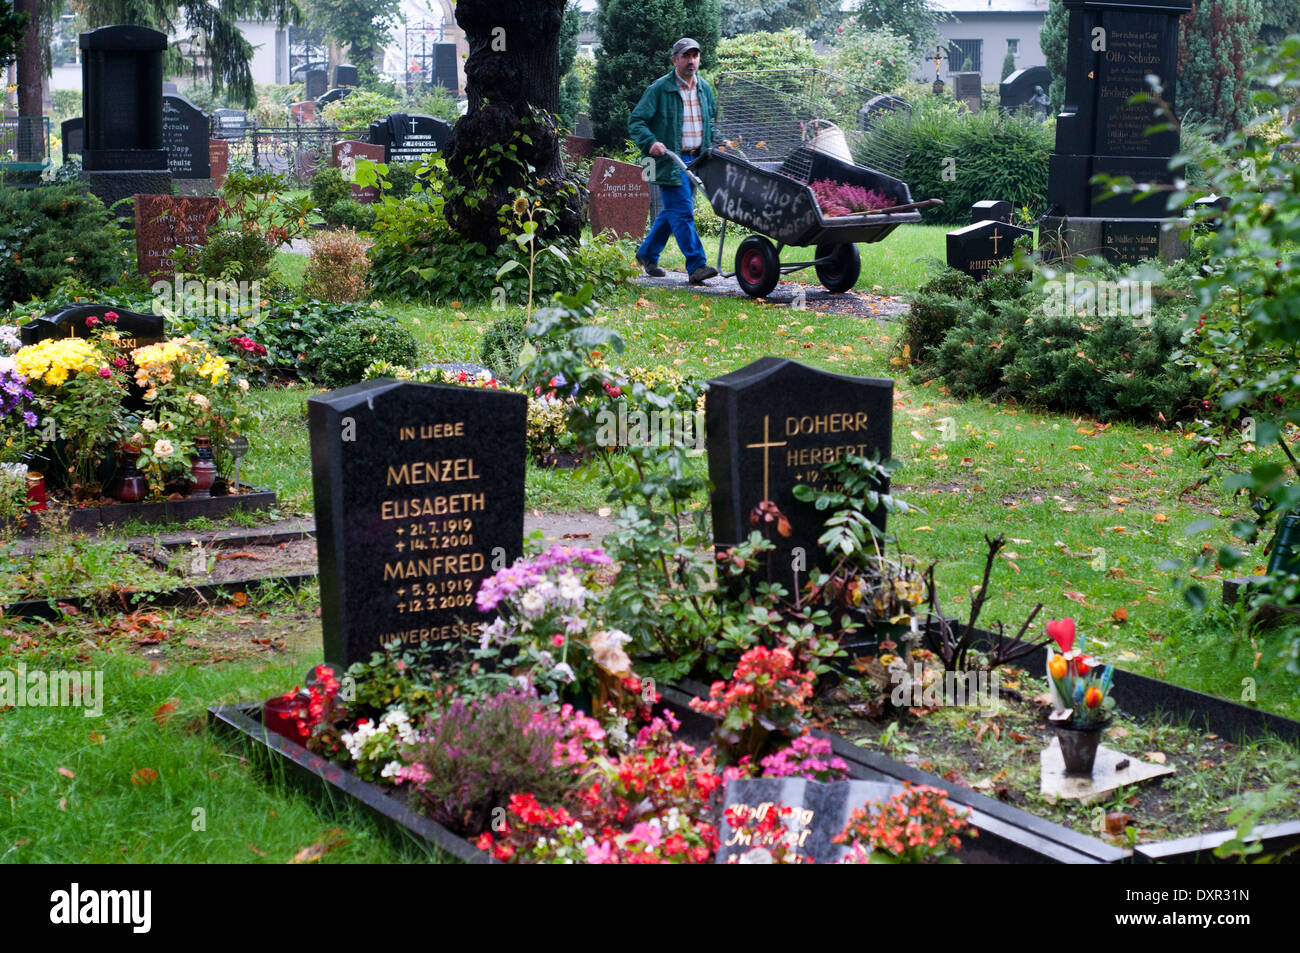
[
  {"x": 1052, "y": 39},
  {"x": 1008, "y": 64},
  {"x": 1214, "y": 55},
  {"x": 636, "y": 40},
  {"x": 12, "y": 27}
]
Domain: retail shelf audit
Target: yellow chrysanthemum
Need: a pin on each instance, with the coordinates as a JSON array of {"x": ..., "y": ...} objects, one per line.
[{"x": 52, "y": 362}]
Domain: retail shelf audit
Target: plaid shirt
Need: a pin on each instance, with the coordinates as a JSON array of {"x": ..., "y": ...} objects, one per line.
[{"x": 692, "y": 120}]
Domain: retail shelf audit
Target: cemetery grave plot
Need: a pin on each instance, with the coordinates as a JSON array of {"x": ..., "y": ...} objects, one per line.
[{"x": 360, "y": 489}]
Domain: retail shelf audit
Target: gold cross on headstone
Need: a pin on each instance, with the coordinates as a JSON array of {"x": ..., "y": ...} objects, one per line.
[
  {"x": 995, "y": 236},
  {"x": 765, "y": 446}
]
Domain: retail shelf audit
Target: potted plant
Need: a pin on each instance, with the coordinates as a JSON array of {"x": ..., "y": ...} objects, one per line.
[{"x": 1080, "y": 695}]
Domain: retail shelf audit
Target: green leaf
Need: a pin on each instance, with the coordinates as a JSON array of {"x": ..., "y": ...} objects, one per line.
[{"x": 508, "y": 266}]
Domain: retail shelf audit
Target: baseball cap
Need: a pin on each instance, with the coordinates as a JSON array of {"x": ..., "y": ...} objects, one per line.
[{"x": 684, "y": 44}]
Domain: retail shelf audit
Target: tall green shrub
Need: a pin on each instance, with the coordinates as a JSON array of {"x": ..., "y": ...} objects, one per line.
[
  {"x": 878, "y": 58},
  {"x": 964, "y": 157},
  {"x": 636, "y": 39},
  {"x": 55, "y": 232},
  {"x": 1214, "y": 55}
]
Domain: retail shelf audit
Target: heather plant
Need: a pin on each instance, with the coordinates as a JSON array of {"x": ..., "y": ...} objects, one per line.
[
  {"x": 338, "y": 269},
  {"x": 840, "y": 198},
  {"x": 480, "y": 752}
]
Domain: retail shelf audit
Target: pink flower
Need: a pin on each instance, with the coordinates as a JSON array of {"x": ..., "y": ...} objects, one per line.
[
  {"x": 648, "y": 834},
  {"x": 92, "y": 321},
  {"x": 110, "y": 317},
  {"x": 105, "y": 372},
  {"x": 119, "y": 362},
  {"x": 557, "y": 640},
  {"x": 602, "y": 853}
]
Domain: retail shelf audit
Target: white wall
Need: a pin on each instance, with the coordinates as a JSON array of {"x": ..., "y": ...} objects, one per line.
[
  {"x": 270, "y": 51},
  {"x": 994, "y": 29}
]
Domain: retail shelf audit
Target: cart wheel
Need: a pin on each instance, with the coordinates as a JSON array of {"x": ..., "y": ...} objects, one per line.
[
  {"x": 758, "y": 266},
  {"x": 842, "y": 271}
]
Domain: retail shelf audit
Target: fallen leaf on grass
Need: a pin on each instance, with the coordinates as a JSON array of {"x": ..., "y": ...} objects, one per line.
[
  {"x": 63, "y": 804},
  {"x": 1119, "y": 731},
  {"x": 1075, "y": 596},
  {"x": 1120, "y": 615},
  {"x": 1160, "y": 518},
  {"x": 1157, "y": 756},
  {"x": 1116, "y": 821},
  {"x": 143, "y": 776},
  {"x": 239, "y": 598},
  {"x": 331, "y": 839},
  {"x": 256, "y": 850},
  {"x": 96, "y": 737},
  {"x": 67, "y": 772},
  {"x": 164, "y": 713},
  {"x": 1017, "y": 736}
]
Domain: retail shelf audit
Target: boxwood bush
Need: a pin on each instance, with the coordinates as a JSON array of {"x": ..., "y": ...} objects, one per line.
[{"x": 346, "y": 351}]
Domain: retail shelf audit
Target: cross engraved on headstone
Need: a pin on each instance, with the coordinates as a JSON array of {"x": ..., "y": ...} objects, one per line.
[{"x": 766, "y": 445}]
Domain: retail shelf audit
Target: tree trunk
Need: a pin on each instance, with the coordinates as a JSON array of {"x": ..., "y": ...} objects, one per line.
[
  {"x": 512, "y": 73},
  {"x": 30, "y": 145}
]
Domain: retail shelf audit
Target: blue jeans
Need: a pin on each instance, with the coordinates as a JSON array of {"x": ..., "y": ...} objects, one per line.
[{"x": 677, "y": 218}]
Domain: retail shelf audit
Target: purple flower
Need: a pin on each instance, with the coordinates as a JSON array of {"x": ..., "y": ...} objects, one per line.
[{"x": 29, "y": 418}]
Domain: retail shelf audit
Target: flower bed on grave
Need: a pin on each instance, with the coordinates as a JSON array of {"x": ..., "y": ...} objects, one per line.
[
  {"x": 479, "y": 742},
  {"x": 115, "y": 435}
]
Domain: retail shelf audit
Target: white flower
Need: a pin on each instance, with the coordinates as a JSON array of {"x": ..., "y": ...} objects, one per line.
[
  {"x": 243, "y": 385},
  {"x": 148, "y": 425},
  {"x": 7, "y": 365},
  {"x": 564, "y": 673},
  {"x": 533, "y": 603},
  {"x": 163, "y": 449},
  {"x": 607, "y": 652},
  {"x": 391, "y": 769},
  {"x": 572, "y": 591},
  {"x": 202, "y": 402}
]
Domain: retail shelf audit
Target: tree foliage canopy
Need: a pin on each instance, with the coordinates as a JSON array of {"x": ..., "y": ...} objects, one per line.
[
  {"x": 815, "y": 18},
  {"x": 12, "y": 25},
  {"x": 1214, "y": 55},
  {"x": 636, "y": 39},
  {"x": 229, "y": 53}
]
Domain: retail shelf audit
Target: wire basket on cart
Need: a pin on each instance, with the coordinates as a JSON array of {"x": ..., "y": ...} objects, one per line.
[{"x": 804, "y": 157}]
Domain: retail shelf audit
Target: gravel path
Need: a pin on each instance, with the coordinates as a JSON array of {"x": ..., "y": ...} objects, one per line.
[{"x": 816, "y": 298}]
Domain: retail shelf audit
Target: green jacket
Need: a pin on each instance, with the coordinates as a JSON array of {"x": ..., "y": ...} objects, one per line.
[{"x": 658, "y": 118}]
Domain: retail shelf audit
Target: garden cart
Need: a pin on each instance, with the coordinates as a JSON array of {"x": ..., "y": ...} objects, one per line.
[{"x": 805, "y": 158}]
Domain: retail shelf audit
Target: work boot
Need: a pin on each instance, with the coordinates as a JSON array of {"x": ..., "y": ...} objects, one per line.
[
  {"x": 703, "y": 274},
  {"x": 650, "y": 268}
]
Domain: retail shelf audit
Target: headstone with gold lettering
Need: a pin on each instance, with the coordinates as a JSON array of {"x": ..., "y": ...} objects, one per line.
[
  {"x": 620, "y": 198},
  {"x": 419, "y": 496},
  {"x": 774, "y": 424},
  {"x": 1112, "y": 47},
  {"x": 981, "y": 246},
  {"x": 164, "y": 223}
]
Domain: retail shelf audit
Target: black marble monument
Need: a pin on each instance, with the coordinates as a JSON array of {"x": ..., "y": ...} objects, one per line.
[
  {"x": 774, "y": 424},
  {"x": 419, "y": 496},
  {"x": 185, "y": 137}
]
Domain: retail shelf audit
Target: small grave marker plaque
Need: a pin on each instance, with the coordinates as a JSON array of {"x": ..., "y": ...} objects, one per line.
[
  {"x": 821, "y": 812},
  {"x": 979, "y": 247},
  {"x": 185, "y": 137},
  {"x": 773, "y": 425},
  {"x": 419, "y": 495},
  {"x": 1127, "y": 241}
]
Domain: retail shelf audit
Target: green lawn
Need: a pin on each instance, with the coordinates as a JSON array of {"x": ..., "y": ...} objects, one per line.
[{"x": 1090, "y": 512}]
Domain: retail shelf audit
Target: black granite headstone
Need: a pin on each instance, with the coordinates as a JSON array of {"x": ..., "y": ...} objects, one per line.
[
  {"x": 229, "y": 123},
  {"x": 122, "y": 98},
  {"x": 979, "y": 247},
  {"x": 70, "y": 321},
  {"x": 406, "y": 138},
  {"x": 345, "y": 74},
  {"x": 821, "y": 812},
  {"x": 331, "y": 96},
  {"x": 419, "y": 496},
  {"x": 318, "y": 83},
  {"x": 445, "y": 66},
  {"x": 74, "y": 137},
  {"x": 1112, "y": 46},
  {"x": 878, "y": 107},
  {"x": 1018, "y": 89},
  {"x": 1127, "y": 241},
  {"x": 991, "y": 210},
  {"x": 774, "y": 424},
  {"x": 185, "y": 137}
]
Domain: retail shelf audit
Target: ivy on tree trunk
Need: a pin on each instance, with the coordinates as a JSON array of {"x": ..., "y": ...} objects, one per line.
[{"x": 512, "y": 79}]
